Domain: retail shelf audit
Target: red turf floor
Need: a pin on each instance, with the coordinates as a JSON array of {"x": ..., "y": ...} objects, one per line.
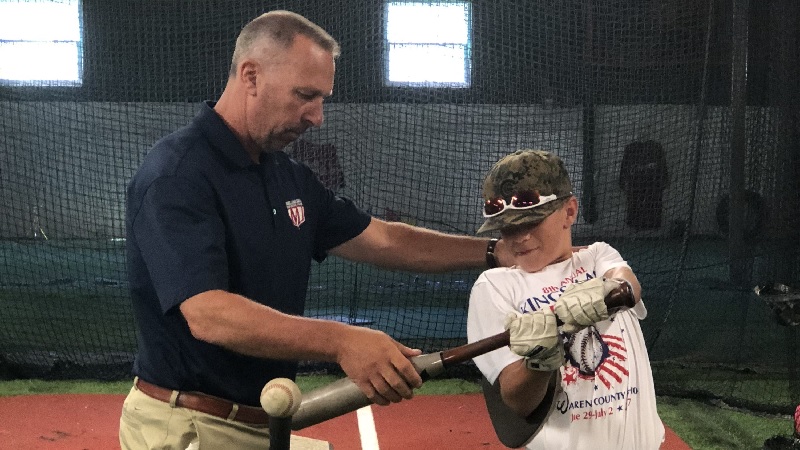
[{"x": 91, "y": 421}]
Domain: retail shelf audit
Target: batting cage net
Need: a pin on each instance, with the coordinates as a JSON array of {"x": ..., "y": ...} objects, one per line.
[{"x": 678, "y": 121}]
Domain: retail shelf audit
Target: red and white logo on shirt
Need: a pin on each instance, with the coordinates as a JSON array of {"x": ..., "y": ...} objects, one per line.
[{"x": 296, "y": 212}]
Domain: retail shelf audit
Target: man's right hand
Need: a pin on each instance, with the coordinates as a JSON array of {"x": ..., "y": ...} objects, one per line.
[
  {"x": 536, "y": 337},
  {"x": 379, "y": 365}
]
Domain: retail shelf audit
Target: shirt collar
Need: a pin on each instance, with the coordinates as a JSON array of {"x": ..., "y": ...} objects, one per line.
[{"x": 220, "y": 135}]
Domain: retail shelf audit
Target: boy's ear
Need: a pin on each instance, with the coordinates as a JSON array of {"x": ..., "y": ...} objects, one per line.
[{"x": 571, "y": 208}]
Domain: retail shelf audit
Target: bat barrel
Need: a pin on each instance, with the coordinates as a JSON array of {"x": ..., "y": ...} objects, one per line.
[
  {"x": 343, "y": 396},
  {"x": 325, "y": 403}
]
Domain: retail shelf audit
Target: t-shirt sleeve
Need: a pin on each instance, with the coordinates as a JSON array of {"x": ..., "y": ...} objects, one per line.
[
  {"x": 609, "y": 258},
  {"x": 486, "y": 317},
  {"x": 181, "y": 238},
  {"x": 340, "y": 221},
  {"x": 606, "y": 258}
]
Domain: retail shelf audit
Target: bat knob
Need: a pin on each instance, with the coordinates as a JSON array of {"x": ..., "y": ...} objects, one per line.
[{"x": 621, "y": 297}]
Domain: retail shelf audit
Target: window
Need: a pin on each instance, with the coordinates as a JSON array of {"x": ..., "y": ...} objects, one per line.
[
  {"x": 428, "y": 44},
  {"x": 40, "y": 43}
]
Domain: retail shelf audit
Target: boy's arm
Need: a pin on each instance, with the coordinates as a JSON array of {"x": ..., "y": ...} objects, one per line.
[
  {"x": 513, "y": 430},
  {"x": 523, "y": 389},
  {"x": 523, "y": 383}
]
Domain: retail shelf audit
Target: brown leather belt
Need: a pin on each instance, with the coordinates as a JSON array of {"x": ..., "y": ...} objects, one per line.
[{"x": 205, "y": 403}]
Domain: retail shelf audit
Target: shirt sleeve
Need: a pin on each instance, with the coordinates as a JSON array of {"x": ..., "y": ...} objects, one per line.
[
  {"x": 609, "y": 258},
  {"x": 606, "y": 258},
  {"x": 341, "y": 221},
  {"x": 181, "y": 238},
  {"x": 486, "y": 316}
]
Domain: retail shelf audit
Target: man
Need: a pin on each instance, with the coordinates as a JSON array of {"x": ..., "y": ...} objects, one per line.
[{"x": 221, "y": 231}]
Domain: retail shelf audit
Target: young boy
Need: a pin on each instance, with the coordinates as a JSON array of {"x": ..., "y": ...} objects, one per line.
[{"x": 602, "y": 397}]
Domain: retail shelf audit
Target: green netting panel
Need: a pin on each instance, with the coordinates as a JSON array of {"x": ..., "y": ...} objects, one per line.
[{"x": 639, "y": 98}]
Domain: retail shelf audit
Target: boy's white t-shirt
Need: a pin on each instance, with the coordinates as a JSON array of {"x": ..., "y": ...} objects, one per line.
[{"x": 605, "y": 399}]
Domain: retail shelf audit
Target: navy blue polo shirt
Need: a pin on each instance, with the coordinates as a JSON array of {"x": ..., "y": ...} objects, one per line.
[{"x": 200, "y": 216}]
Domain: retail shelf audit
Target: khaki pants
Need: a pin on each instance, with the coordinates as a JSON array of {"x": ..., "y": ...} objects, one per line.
[{"x": 150, "y": 424}]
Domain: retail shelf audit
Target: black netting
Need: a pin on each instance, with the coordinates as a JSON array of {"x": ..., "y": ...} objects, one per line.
[{"x": 679, "y": 121}]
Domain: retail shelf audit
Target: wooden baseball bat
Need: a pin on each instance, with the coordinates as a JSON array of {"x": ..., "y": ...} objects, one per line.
[{"x": 343, "y": 396}]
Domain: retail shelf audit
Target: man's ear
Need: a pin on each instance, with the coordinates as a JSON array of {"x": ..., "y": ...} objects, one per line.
[{"x": 248, "y": 75}]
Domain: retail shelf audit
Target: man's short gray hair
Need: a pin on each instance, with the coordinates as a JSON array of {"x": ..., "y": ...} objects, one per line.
[{"x": 279, "y": 27}]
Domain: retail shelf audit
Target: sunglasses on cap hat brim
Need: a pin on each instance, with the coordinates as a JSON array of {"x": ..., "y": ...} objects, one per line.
[{"x": 520, "y": 201}]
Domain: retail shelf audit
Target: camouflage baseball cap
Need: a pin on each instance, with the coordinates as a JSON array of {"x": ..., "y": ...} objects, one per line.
[{"x": 525, "y": 170}]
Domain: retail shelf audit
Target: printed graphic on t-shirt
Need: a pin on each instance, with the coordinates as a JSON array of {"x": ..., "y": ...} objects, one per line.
[
  {"x": 297, "y": 212},
  {"x": 595, "y": 356},
  {"x": 596, "y": 363},
  {"x": 550, "y": 294}
]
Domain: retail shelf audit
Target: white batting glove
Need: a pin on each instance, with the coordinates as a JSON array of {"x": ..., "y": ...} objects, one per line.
[
  {"x": 535, "y": 336},
  {"x": 547, "y": 361},
  {"x": 583, "y": 304}
]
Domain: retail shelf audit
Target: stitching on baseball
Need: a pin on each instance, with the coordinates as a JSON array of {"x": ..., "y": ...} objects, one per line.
[{"x": 290, "y": 395}]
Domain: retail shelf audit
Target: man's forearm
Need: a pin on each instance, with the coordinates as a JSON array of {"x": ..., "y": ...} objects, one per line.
[
  {"x": 399, "y": 246},
  {"x": 252, "y": 329},
  {"x": 432, "y": 251}
]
